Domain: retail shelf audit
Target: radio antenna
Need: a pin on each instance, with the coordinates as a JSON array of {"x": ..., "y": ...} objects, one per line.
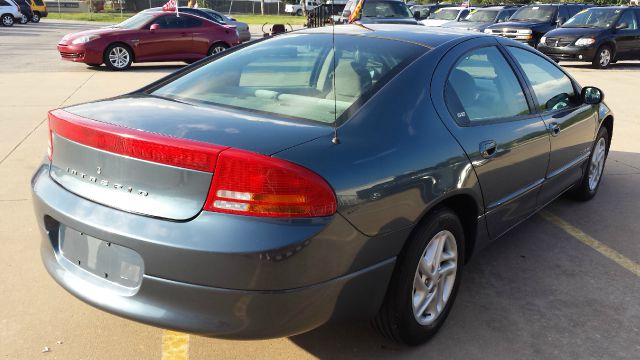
[{"x": 335, "y": 138}]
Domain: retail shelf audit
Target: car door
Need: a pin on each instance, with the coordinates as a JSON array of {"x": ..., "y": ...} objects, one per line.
[
  {"x": 200, "y": 35},
  {"x": 571, "y": 123},
  {"x": 171, "y": 41},
  {"x": 490, "y": 112},
  {"x": 627, "y": 39}
]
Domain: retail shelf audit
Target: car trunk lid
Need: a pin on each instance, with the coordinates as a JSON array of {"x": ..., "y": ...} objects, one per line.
[{"x": 156, "y": 157}]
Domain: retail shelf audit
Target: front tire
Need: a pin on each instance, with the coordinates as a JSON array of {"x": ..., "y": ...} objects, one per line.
[
  {"x": 7, "y": 20},
  {"x": 299, "y": 12},
  {"x": 603, "y": 57},
  {"x": 24, "y": 20},
  {"x": 35, "y": 18},
  {"x": 425, "y": 282},
  {"x": 118, "y": 57},
  {"x": 588, "y": 186}
]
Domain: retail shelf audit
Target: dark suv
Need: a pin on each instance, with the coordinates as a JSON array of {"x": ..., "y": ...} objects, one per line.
[
  {"x": 380, "y": 12},
  {"x": 599, "y": 35},
  {"x": 530, "y": 22}
]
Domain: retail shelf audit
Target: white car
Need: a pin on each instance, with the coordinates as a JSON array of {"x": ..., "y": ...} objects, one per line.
[
  {"x": 296, "y": 9},
  {"x": 9, "y": 13},
  {"x": 445, "y": 15}
]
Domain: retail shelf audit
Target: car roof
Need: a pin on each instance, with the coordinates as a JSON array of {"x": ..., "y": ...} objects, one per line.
[{"x": 428, "y": 37}]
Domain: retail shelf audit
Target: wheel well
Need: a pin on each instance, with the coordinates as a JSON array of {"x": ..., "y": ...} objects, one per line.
[
  {"x": 608, "y": 124},
  {"x": 37, "y": 12},
  {"x": 466, "y": 209},
  {"x": 133, "y": 53},
  {"x": 612, "y": 46}
]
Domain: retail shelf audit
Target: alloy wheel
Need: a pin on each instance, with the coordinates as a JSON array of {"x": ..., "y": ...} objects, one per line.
[
  {"x": 7, "y": 20},
  {"x": 119, "y": 57},
  {"x": 605, "y": 57},
  {"x": 596, "y": 167},
  {"x": 434, "y": 278},
  {"x": 35, "y": 18},
  {"x": 217, "y": 49}
]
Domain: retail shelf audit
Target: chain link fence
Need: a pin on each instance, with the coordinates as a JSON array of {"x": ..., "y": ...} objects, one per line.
[{"x": 271, "y": 7}]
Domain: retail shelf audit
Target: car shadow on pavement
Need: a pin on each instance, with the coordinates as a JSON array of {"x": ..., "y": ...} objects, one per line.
[
  {"x": 142, "y": 68},
  {"x": 535, "y": 293}
]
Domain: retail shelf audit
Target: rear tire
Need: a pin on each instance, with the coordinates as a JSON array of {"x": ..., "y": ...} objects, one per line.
[
  {"x": 118, "y": 57},
  {"x": 299, "y": 12},
  {"x": 24, "y": 20},
  {"x": 603, "y": 57},
  {"x": 428, "y": 269},
  {"x": 7, "y": 20},
  {"x": 217, "y": 48},
  {"x": 588, "y": 186}
]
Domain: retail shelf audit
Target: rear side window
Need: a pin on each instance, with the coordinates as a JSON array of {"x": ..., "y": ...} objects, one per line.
[
  {"x": 553, "y": 88},
  {"x": 38, "y": 2},
  {"x": 191, "y": 22},
  {"x": 482, "y": 87},
  {"x": 294, "y": 75},
  {"x": 4, "y": 3}
]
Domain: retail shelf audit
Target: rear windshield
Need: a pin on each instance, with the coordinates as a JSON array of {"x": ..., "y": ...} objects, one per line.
[
  {"x": 293, "y": 75},
  {"x": 534, "y": 13},
  {"x": 385, "y": 9},
  {"x": 444, "y": 14},
  {"x": 594, "y": 18},
  {"x": 482, "y": 16}
]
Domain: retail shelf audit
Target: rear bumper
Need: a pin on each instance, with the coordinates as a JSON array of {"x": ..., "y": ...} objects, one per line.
[
  {"x": 570, "y": 53},
  {"x": 83, "y": 53},
  {"x": 229, "y": 277}
]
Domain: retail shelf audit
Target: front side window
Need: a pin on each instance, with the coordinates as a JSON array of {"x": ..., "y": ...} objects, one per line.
[
  {"x": 553, "y": 88},
  {"x": 629, "y": 19},
  {"x": 38, "y": 2},
  {"x": 293, "y": 75},
  {"x": 482, "y": 86}
]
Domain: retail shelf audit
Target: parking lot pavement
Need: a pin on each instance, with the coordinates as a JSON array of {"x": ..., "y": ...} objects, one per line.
[{"x": 538, "y": 293}]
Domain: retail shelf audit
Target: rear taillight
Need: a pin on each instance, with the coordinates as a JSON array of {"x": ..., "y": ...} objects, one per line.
[
  {"x": 50, "y": 144},
  {"x": 137, "y": 144},
  {"x": 246, "y": 183},
  {"x": 243, "y": 183}
]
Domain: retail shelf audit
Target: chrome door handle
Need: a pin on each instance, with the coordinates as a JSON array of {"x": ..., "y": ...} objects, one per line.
[
  {"x": 488, "y": 149},
  {"x": 554, "y": 129}
]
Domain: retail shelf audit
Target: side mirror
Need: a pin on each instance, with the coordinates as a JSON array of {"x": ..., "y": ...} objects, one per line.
[
  {"x": 561, "y": 20},
  {"x": 346, "y": 13},
  {"x": 154, "y": 27},
  {"x": 416, "y": 15},
  {"x": 622, "y": 26},
  {"x": 592, "y": 95}
]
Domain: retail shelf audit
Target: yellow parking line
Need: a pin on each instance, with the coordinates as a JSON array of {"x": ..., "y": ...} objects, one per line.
[
  {"x": 175, "y": 345},
  {"x": 603, "y": 249}
]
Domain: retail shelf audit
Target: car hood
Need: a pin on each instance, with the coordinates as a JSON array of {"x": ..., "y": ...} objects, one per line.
[
  {"x": 516, "y": 25},
  {"x": 409, "y": 21},
  {"x": 100, "y": 31},
  {"x": 468, "y": 25},
  {"x": 257, "y": 132},
  {"x": 434, "y": 22},
  {"x": 574, "y": 32}
]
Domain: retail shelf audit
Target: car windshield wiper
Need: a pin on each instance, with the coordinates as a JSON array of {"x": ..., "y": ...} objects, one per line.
[{"x": 583, "y": 26}]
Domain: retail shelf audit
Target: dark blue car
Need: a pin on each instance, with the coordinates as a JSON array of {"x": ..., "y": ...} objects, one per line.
[{"x": 308, "y": 178}]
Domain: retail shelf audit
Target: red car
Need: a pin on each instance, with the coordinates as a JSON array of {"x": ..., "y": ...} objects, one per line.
[{"x": 149, "y": 37}]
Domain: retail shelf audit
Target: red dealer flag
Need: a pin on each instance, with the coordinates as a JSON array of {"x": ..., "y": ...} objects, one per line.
[{"x": 171, "y": 5}]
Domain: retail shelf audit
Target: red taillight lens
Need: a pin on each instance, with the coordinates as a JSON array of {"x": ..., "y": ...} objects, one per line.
[
  {"x": 137, "y": 144},
  {"x": 246, "y": 183},
  {"x": 50, "y": 144}
]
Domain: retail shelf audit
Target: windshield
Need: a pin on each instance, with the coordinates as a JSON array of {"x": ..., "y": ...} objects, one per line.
[
  {"x": 594, "y": 18},
  {"x": 534, "y": 13},
  {"x": 482, "y": 16},
  {"x": 385, "y": 9},
  {"x": 135, "y": 22},
  {"x": 293, "y": 75},
  {"x": 444, "y": 14}
]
